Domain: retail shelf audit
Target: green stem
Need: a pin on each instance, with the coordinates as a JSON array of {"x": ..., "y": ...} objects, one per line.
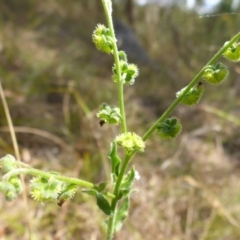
[
  {"x": 37, "y": 173},
  {"x": 111, "y": 220},
  {"x": 191, "y": 84},
  {"x": 111, "y": 224},
  {"x": 107, "y": 5}
]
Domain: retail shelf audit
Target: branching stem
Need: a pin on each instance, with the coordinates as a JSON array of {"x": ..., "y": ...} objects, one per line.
[{"x": 36, "y": 172}]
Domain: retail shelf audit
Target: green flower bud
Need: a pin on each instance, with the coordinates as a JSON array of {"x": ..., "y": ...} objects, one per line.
[
  {"x": 170, "y": 128},
  {"x": 215, "y": 74},
  {"x": 11, "y": 195},
  {"x": 16, "y": 182},
  {"x": 122, "y": 56},
  {"x": 9, "y": 189},
  {"x": 193, "y": 96},
  {"x": 7, "y": 163},
  {"x": 130, "y": 141}
]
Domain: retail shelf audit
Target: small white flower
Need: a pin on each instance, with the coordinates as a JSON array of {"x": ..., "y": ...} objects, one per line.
[{"x": 137, "y": 175}]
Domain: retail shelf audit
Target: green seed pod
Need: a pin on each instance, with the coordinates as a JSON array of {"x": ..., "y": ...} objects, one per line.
[
  {"x": 193, "y": 96},
  {"x": 129, "y": 72},
  {"x": 233, "y": 52},
  {"x": 109, "y": 114},
  {"x": 102, "y": 39},
  {"x": 170, "y": 128},
  {"x": 215, "y": 74},
  {"x": 68, "y": 192},
  {"x": 43, "y": 189}
]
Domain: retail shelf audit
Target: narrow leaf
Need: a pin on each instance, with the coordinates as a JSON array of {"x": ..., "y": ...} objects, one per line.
[
  {"x": 102, "y": 186},
  {"x": 103, "y": 204},
  {"x": 115, "y": 160}
]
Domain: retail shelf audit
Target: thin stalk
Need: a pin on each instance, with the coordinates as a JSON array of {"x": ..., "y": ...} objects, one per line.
[
  {"x": 37, "y": 173},
  {"x": 107, "y": 5}
]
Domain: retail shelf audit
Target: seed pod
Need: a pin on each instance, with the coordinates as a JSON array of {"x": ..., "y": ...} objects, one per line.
[
  {"x": 233, "y": 52},
  {"x": 170, "y": 128},
  {"x": 193, "y": 96},
  {"x": 215, "y": 74},
  {"x": 102, "y": 39}
]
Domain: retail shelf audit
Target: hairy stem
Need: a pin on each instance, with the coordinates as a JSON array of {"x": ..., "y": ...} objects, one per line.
[
  {"x": 111, "y": 221},
  {"x": 37, "y": 173},
  {"x": 107, "y": 5}
]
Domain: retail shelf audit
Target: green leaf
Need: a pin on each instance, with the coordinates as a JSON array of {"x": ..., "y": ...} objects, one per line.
[
  {"x": 103, "y": 204},
  {"x": 122, "y": 213},
  {"x": 127, "y": 183},
  {"x": 101, "y": 186},
  {"x": 115, "y": 160}
]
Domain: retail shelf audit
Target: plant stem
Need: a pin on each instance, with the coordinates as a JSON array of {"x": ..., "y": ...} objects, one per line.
[
  {"x": 107, "y": 5},
  {"x": 111, "y": 220},
  {"x": 37, "y": 173}
]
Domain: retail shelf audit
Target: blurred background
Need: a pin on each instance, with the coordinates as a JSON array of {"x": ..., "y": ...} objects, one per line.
[{"x": 55, "y": 80}]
